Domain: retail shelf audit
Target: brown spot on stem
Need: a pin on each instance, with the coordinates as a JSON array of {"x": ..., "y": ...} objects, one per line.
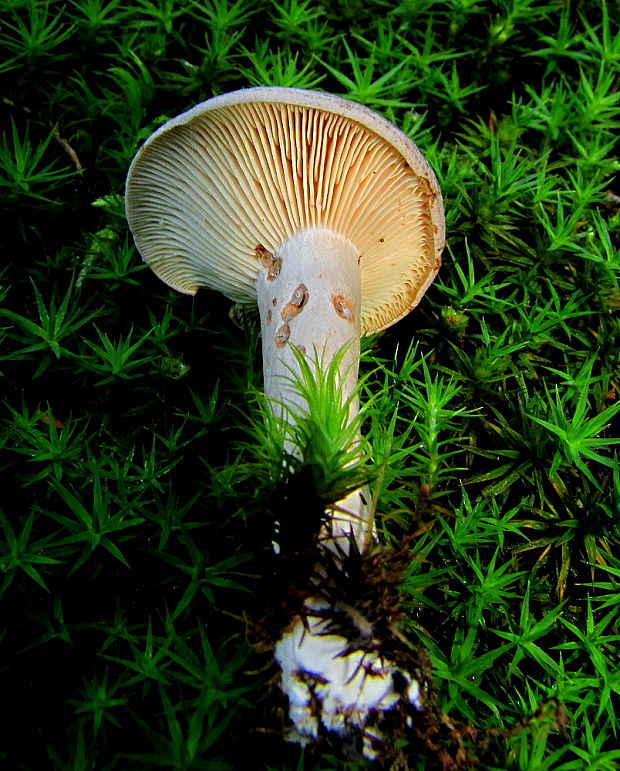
[
  {"x": 263, "y": 256},
  {"x": 294, "y": 306},
  {"x": 269, "y": 316},
  {"x": 274, "y": 270},
  {"x": 342, "y": 307},
  {"x": 300, "y": 296},
  {"x": 282, "y": 335},
  {"x": 272, "y": 264}
]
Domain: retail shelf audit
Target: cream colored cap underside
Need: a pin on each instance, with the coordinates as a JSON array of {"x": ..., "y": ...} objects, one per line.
[{"x": 203, "y": 195}]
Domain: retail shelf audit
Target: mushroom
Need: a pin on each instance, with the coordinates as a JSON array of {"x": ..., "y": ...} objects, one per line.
[{"x": 328, "y": 218}]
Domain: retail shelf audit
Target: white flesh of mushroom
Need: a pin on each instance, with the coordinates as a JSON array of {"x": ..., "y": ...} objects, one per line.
[
  {"x": 339, "y": 692},
  {"x": 309, "y": 296}
]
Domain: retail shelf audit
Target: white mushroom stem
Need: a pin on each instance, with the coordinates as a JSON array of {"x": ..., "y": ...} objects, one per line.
[{"x": 309, "y": 298}]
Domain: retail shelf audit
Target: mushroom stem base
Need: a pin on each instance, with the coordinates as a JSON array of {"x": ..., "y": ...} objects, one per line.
[
  {"x": 346, "y": 669},
  {"x": 341, "y": 686}
]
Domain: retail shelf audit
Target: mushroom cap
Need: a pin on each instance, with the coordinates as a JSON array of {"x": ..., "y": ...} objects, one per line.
[{"x": 254, "y": 167}]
